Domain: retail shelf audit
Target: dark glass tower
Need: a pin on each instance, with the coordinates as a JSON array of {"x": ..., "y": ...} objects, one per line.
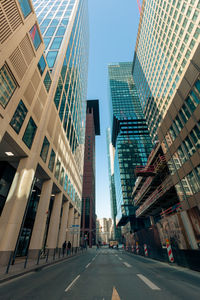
[{"x": 130, "y": 137}]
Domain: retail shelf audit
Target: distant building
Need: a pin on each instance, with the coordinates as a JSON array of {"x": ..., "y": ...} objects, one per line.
[
  {"x": 105, "y": 230},
  {"x": 88, "y": 217},
  {"x": 130, "y": 138}
]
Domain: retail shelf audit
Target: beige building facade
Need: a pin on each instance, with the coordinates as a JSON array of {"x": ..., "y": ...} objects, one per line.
[{"x": 40, "y": 166}]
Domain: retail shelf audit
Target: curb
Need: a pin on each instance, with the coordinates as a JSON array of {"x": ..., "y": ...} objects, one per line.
[{"x": 35, "y": 268}]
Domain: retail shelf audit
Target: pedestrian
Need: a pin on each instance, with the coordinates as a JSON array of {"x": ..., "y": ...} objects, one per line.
[
  {"x": 64, "y": 247},
  {"x": 69, "y": 245}
]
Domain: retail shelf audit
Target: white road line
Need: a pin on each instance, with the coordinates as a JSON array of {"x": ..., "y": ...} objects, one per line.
[
  {"x": 88, "y": 265},
  {"x": 148, "y": 282},
  {"x": 67, "y": 289},
  {"x": 120, "y": 258},
  {"x": 126, "y": 264}
]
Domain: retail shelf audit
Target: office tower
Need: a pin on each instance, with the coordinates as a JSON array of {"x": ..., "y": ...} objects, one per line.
[
  {"x": 42, "y": 124},
  {"x": 168, "y": 36},
  {"x": 113, "y": 204},
  {"x": 166, "y": 71},
  {"x": 130, "y": 137},
  {"x": 88, "y": 217}
]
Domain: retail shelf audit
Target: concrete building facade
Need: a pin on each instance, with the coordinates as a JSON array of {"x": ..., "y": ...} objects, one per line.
[{"x": 42, "y": 119}]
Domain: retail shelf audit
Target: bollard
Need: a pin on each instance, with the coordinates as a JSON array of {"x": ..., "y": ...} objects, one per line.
[
  {"x": 145, "y": 250},
  {"x": 137, "y": 248},
  {"x": 25, "y": 263},
  {"x": 9, "y": 262},
  {"x": 38, "y": 258},
  {"x": 169, "y": 251},
  {"x": 47, "y": 255}
]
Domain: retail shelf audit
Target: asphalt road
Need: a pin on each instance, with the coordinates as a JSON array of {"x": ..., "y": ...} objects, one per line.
[{"x": 105, "y": 275}]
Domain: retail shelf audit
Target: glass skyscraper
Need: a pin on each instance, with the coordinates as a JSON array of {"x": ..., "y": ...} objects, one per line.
[
  {"x": 130, "y": 136},
  {"x": 167, "y": 38},
  {"x": 64, "y": 26}
]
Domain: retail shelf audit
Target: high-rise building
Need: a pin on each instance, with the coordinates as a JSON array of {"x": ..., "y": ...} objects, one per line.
[
  {"x": 167, "y": 37},
  {"x": 42, "y": 116},
  {"x": 166, "y": 71},
  {"x": 88, "y": 217},
  {"x": 113, "y": 204},
  {"x": 130, "y": 137}
]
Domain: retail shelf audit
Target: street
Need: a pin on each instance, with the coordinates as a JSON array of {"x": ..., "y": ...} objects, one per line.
[{"x": 105, "y": 274}]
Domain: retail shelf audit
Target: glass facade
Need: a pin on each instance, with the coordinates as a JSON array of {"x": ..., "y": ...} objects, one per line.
[
  {"x": 130, "y": 135},
  {"x": 71, "y": 91},
  {"x": 167, "y": 36}
]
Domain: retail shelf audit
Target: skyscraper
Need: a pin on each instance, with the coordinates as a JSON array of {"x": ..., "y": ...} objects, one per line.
[
  {"x": 113, "y": 204},
  {"x": 42, "y": 115},
  {"x": 167, "y": 37},
  {"x": 88, "y": 217},
  {"x": 166, "y": 71},
  {"x": 130, "y": 137}
]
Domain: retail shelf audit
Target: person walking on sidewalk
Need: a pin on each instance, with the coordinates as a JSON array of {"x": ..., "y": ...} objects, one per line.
[
  {"x": 64, "y": 247},
  {"x": 69, "y": 245}
]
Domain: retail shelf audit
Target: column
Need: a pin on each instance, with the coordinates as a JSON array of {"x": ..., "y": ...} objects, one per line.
[
  {"x": 40, "y": 220},
  {"x": 54, "y": 223},
  {"x": 63, "y": 226},
  {"x": 14, "y": 209},
  {"x": 69, "y": 224},
  {"x": 78, "y": 222}
]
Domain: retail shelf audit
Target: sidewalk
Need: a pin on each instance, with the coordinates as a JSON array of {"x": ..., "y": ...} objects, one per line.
[{"x": 22, "y": 266}]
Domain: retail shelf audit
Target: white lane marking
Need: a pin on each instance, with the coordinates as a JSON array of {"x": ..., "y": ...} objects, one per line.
[
  {"x": 148, "y": 282},
  {"x": 126, "y": 264},
  {"x": 88, "y": 265},
  {"x": 120, "y": 258},
  {"x": 67, "y": 289},
  {"x": 116, "y": 255}
]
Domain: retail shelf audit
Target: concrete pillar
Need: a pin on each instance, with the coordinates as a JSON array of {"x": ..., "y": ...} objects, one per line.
[
  {"x": 69, "y": 236},
  {"x": 14, "y": 209},
  {"x": 40, "y": 220},
  {"x": 78, "y": 222},
  {"x": 54, "y": 222},
  {"x": 152, "y": 220},
  {"x": 63, "y": 226}
]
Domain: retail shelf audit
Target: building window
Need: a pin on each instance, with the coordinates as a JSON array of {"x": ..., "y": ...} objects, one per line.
[
  {"x": 57, "y": 171},
  {"x": 51, "y": 58},
  {"x": 25, "y": 7},
  {"x": 19, "y": 117},
  {"x": 29, "y": 133},
  {"x": 52, "y": 160},
  {"x": 47, "y": 81},
  {"x": 35, "y": 36},
  {"x": 7, "y": 86},
  {"x": 41, "y": 65},
  {"x": 65, "y": 184},
  {"x": 45, "y": 149},
  {"x": 62, "y": 176},
  {"x": 56, "y": 43}
]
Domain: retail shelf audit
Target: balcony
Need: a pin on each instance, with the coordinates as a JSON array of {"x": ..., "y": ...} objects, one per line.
[{"x": 154, "y": 197}]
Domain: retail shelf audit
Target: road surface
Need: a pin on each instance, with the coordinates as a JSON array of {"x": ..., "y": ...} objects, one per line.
[{"x": 105, "y": 274}]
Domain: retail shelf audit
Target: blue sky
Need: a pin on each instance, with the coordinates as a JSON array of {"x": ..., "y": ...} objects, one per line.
[{"x": 113, "y": 31}]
